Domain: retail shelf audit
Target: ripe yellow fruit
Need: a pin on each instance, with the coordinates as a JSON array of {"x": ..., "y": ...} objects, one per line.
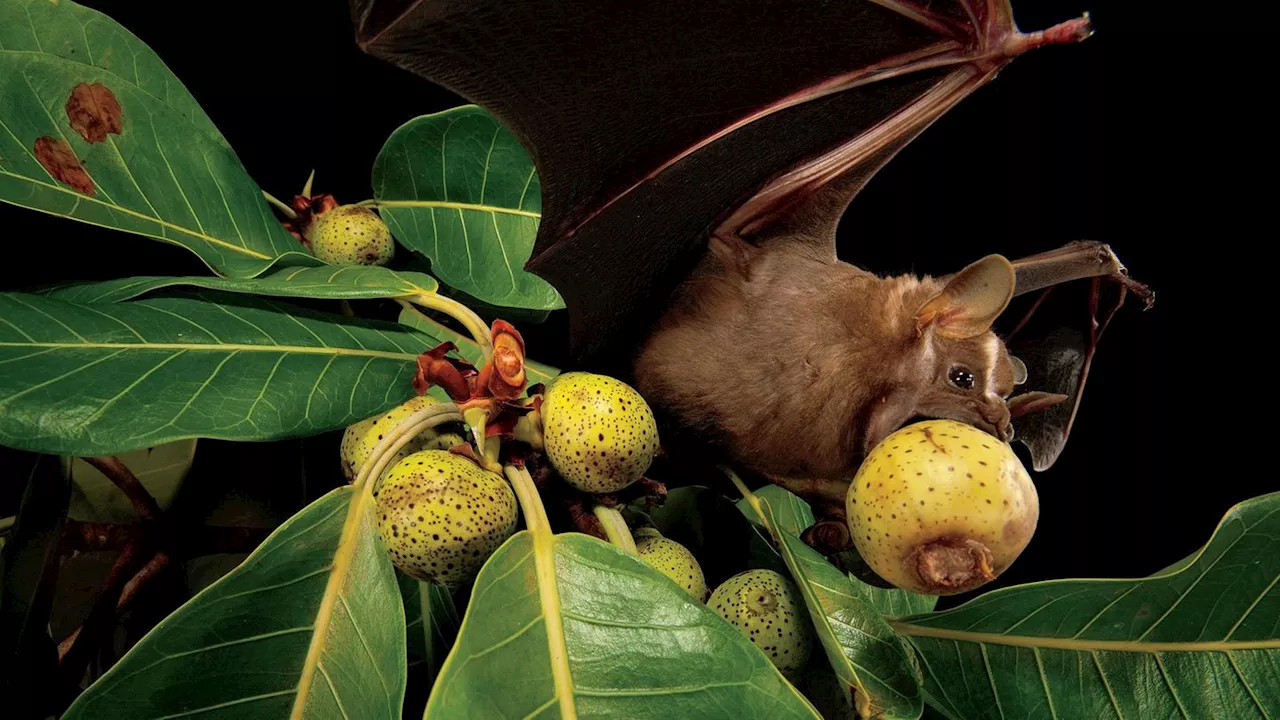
[
  {"x": 940, "y": 507},
  {"x": 441, "y": 516},
  {"x": 598, "y": 432}
]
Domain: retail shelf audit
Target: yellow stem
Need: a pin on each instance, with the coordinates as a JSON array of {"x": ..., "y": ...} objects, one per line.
[
  {"x": 274, "y": 202},
  {"x": 463, "y": 314},
  {"x": 535, "y": 515},
  {"x": 615, "y": 528},
  {"x": 400, "y": 435},
  {"x": 751, "y": 498},
  {"x": 536, "y": 523}
]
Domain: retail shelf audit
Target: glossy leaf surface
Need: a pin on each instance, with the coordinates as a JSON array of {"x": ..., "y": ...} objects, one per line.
[
  {"x": 95, "y": 127},
  {"x": 638, "y": 646},
  {"x": 458, "y": 188},
  {"x": 102, "y": 379},
  {"x": 1201, "y": 640},
  {"x": 867, "y": 656},
  {"x": 347, "y": 283},
  {"x": 309, "y": 626}
]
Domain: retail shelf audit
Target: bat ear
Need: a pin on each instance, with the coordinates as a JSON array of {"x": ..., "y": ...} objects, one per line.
[
  {"x": 1019, "y": 370},
  {"x": 972, "y": 299}
]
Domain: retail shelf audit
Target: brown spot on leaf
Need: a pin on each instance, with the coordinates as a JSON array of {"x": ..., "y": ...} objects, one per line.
[
  {"x": 60, "y": 160},
  {"x": 94, "y": 112}
]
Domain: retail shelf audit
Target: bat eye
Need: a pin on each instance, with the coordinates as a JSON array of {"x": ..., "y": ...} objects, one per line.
[{"x": 961, "y": 377}]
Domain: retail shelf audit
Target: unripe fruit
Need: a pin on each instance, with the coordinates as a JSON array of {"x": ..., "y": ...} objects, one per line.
[
  {"x": 359, "y": 440},
  {"x": 940, "y": 507},
  {"x": 443, "y": 441},
  {"x": 675, "y": 561},
  {"x": 597, "y": 431},
  {"x": 441, "y": 516},
  {"x": 351, "y": 235},
  {"x": 767, "y": 607}
]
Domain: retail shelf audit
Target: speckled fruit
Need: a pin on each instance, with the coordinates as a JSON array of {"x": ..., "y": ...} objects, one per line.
[
  {"x": 597, "y": 431},
  {"x": 442, "y": 441},
  {"x": 360, "y": 439},
  {"x": 767, "y": 607},
  {"x": 940, "y": 507},
  {"x": 675, "y": 561},
  {"x": 351, "y": 235},
  {"x": 441, "y": 516}
]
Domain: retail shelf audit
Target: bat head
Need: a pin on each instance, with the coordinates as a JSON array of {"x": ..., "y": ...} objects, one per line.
[{"x": 959, "y": 369}]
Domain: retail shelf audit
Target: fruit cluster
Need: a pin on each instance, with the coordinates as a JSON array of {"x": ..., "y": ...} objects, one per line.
[{"x": 938, "y": 507}]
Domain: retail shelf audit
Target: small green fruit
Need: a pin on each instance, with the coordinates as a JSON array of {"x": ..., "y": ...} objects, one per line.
[
  {"x": 675, "y": 561},
  {"x": 767, "y": 607},
  {"x": 598, "y": 432},
  {"x": 351, "y": 235},
  {"x": 359, "y": 440},
  {"x": 940, "y": 507},
  {"x": 441, "y": 516}
]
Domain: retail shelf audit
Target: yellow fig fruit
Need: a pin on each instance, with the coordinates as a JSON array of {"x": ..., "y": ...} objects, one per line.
[
  {"x": 940, "y": 507},
  {"x": 598, "y": 432}
]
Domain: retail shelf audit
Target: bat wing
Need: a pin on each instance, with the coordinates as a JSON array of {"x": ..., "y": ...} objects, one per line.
[
  {"x": 653, "y": 125},
  {"x": 1057, "y": 341}
]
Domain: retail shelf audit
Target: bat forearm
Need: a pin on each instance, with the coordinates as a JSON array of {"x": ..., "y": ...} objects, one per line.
[{"x": 1075, "y": 261}]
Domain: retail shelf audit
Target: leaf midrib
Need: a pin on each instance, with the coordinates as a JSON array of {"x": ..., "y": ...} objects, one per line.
[
  {"x": 457, "y": 206},
  {"x": 1075, "y": 644},
  {"x": 217, "y": 347},
  {"x": 141, "y": 216}
]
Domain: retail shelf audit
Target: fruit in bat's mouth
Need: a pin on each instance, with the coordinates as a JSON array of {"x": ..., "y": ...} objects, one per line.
[{"x": 940, "y": 507}]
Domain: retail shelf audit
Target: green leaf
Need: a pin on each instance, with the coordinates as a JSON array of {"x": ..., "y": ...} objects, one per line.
[
  {"x": 893, "y": 602},
  {"x": 458, "y": 188},
  {"x": 102, "y": 379},
  {"x": 864, "y": 651},
  {"x": 432, "y": 622},
  {"x": 163, "y": 170},
  {"x": 328, "y": 282},
  {"x": 793, "y": 514},
  {"x": 1202, "y": 641},
  {"x": 467, "y": 348},
  {"x": 161, "y": 470},
  {"x": 310, "y": 624},
  {"x": 634, "y": 644}
]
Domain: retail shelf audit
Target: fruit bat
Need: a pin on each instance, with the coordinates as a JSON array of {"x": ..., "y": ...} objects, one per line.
[{"x": 695, "y": 159}]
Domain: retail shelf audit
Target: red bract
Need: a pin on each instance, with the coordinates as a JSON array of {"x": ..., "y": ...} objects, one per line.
[
  {"x": 454, "y": 375},
  {"x": 307, "y": 209},
  {"x": 496, "y": 387},
  {"x": 503, "y": 376}
]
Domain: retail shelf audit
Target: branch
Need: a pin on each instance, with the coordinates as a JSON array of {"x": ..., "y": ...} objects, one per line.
[
  {"x": 74, "y": 652},
  {"x": 203, "y": 540},
  {"x": 123, "y": 478}
]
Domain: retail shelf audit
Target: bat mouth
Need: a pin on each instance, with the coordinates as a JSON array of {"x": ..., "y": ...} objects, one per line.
[{"x": 982, "y": 425}]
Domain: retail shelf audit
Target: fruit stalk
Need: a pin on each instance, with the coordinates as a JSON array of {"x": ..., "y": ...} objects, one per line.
[
  {"x": 399, "y": 436},
  {"x": 615, "y": 527},
  {"x": 463, "y": 314},
  {"x": 535, "y": 515}
]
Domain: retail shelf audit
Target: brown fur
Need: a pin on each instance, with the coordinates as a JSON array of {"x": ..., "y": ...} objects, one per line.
[{"x": 796, "y": 364}]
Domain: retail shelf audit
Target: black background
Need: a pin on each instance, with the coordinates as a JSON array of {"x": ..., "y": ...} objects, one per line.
[{"x": 1128, "y": 138}]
